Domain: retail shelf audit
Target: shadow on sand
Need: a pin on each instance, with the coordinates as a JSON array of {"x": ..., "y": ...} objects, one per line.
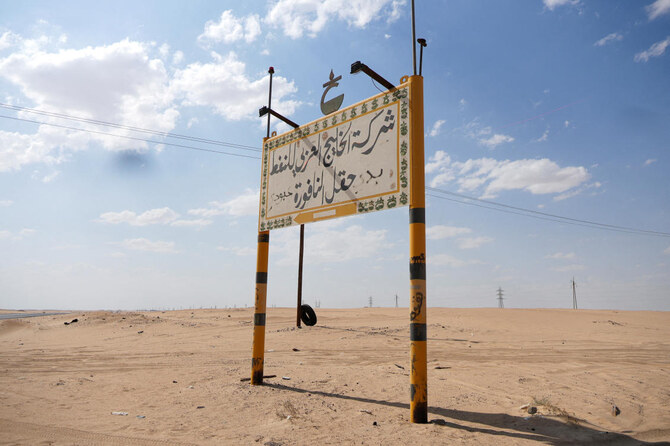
[{"x": 542, "y": 429}]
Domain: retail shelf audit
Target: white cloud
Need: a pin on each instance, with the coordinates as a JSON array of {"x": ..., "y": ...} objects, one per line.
[
  {"x": 609, "y": 38},
  {"x": 177, "y": 57},
  {"x": 436, "y": 127},
  {"x": 124, "y": 82},
  {"x": 224, "y": 86},
  {"x": 574, "y": 192},
  {"x": 23, "y": 233},
  {"x": 164, "y": 50},
  {"x": 439, "y": 232},
  {"x": 655, "y": 50},
  {"x": 330, "y": 243},
  {"x": 117, "y": 82},
  {"x": 296, "y": 17},
  {"x": 537, "y": 176},
  {"x": 6, "y": 203},
  {"x": 666, "y": 250},
  {"x": 342, "y": 245},
  {"x": 447, "y": 260},
  {"x": 544, "y": 137},
  {"x": 242, "y": 205},
  {"x": 160, "y": 216},
  {"x": 462, "y": 103},
  {"x": 192, "y": 223},
  {"x": 142, "y": 244},
  {"x": 484, "y": 134},
  {"x": 658, "y": 8},
  {"x": 495, "y": 140},
  {"x": 50, "y": 177},
  {"x": 8, "y": 39},
  {"x": 438, "y": 161},
  {"x": 191, "y": 122},
  {"x": 552, "y": 4},
  {"x": 473, "y": 242},
  {"x": 120, "y": 82},
  {"x": 560, "y": 255},
  {"x": 650, "y": 161},
  {"x": 231, "y": 29}
]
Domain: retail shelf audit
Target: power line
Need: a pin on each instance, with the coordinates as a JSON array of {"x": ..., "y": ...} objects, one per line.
[
  {"x": 130, "y": 137},
  {"x": 519, "y": 210},
  {"x": 128, "y": 127},
  {"x": 526, "y": 215},
  {"x": 543, "y": 215}
]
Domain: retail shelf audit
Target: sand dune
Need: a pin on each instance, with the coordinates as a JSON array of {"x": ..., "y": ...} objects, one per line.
[{"x": 178, "y": 375}]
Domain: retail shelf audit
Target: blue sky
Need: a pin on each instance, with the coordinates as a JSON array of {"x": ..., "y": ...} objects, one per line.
[{"x": 554, "y": 106}]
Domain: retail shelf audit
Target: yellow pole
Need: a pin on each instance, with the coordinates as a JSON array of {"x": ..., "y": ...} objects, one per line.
[
  {"x": 417, "y": 262},
  {"x": 258, "y": 351}
]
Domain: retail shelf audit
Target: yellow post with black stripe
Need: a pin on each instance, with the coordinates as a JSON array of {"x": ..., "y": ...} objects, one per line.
[
  {"x": 417, "y": 262},
  {"x": 258, "y": 350}
]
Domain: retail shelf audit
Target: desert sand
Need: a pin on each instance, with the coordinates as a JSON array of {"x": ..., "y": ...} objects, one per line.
[{"x": 177, "y": 375}]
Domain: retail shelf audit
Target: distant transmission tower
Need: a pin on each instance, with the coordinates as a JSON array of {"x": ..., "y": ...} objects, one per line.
[
  {"x": 574, "y": 294},
  {"x": 370, "y": 301},
  {"x": 396, "y": 301},
  {"x": 500, "y": 298}
]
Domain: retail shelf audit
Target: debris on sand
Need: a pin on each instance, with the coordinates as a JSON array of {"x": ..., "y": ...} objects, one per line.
[
  {"x": 615, "y": 410},
  {"x": 123, "y": 414}
]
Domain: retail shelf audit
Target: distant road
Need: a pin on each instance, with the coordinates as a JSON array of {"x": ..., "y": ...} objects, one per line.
[{"x": 22, "y": 315}]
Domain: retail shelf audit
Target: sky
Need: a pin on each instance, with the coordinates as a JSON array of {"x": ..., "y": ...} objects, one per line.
[{"x": 557, "y": 109}]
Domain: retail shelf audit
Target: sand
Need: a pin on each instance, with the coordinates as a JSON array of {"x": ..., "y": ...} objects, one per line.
[{"x": 177, "y": 376}]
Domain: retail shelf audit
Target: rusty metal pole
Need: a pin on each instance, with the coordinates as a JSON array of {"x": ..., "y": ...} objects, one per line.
[
  {"x": 260, "y": 299},
  {"x": 300, "y": 257},
  {"x": 417, "y": 262}
]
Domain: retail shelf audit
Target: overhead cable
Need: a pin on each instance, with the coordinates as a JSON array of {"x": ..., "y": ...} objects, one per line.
[
  {"x": 128, "y": 127},
  {"x": 500, "y": 207},
  {"x": 130, "y": 137}
]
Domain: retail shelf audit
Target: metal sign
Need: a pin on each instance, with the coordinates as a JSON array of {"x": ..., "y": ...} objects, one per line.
[{"x": 352, "y": 161}]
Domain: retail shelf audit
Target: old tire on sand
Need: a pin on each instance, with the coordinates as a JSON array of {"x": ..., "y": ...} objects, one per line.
[{"x": 307, "y": 315}]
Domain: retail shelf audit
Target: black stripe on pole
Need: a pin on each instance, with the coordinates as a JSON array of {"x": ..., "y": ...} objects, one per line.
[
  {"x": 417, "y": 332},
  {"x": 420, "y": 412},
  {"x": 417, "y": 271},
  {"x": 417, "y": 215},
  {"x": 263, "y": 238},
  {"x": 261, "y": 277},
  {"x": 259, "y": 319}
]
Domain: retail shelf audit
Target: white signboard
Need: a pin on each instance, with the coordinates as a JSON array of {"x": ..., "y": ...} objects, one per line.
[{"x": 352, "y": 161}]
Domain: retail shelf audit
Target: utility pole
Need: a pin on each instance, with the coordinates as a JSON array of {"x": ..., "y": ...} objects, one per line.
[
  {"x": 574, "y": 294},
  {"x": 500, "y": 298},
  {"x": 396, "y": 301}
]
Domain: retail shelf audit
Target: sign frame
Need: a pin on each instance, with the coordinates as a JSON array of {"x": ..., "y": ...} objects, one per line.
[{"x": 399, "y": 99}]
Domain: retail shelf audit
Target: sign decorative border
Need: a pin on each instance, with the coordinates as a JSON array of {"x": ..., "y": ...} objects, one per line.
[{"x": 399, "y": 196}]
